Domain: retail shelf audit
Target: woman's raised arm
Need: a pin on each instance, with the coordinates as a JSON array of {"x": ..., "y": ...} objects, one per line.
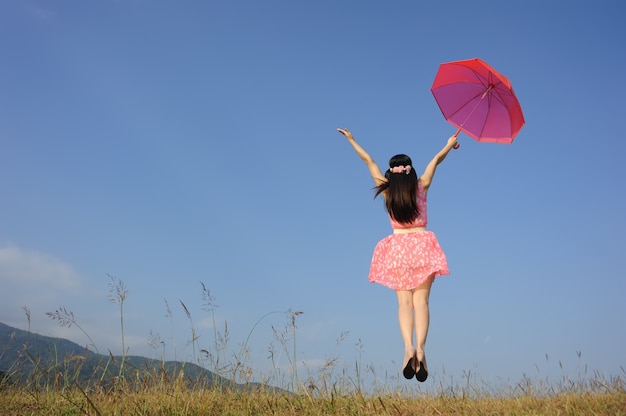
[
  {"x": 429, "y": 172},
  {"x": 377, "y": 175}
]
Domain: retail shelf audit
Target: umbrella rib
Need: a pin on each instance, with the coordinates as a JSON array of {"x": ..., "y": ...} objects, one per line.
[
  {"x": 482, "y": 127},
  {"x": 493, "y": 95},
  {"x": 483, "y": 80},
  {"x": 482, "y": 93},
  {"x": 499, "y": 92},
  {"x": 465, "y": 104}
]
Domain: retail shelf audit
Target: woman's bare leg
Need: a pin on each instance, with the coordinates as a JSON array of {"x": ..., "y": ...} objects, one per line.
[
  {"x": 422, "y": 315},
  {"x": 406, "y": 321}
]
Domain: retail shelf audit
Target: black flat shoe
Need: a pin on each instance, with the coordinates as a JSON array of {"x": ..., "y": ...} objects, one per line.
[
  {"x": 409, "y": 371},
  {"x": 422, "y": 374}
]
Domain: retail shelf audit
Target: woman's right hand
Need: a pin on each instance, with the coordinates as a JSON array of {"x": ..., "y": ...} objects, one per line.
[
  {"x": 346, "y": 133},
  {"x": 377, "y": 175}
]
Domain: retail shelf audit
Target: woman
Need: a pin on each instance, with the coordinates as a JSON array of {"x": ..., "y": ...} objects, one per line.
[{"x": 408, "y": 260}]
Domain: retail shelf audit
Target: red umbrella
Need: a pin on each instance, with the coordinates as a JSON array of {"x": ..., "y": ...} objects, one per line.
[{"x": 478, "y": 100}]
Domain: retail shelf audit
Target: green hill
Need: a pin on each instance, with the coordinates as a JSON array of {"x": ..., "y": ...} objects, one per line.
[{"x": 26, "y": 357}]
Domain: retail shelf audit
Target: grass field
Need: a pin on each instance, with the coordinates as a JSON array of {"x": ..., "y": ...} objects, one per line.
[
  {"x": 119, "y": 386},
  {"x": 173, "y": 400}
]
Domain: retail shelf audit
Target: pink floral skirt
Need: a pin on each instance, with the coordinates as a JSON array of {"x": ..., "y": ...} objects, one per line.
[{"x": 404, "y": 261}]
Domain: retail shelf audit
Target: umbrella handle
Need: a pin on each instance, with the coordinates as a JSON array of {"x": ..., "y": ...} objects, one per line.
[{"x": 456, "y": 146}]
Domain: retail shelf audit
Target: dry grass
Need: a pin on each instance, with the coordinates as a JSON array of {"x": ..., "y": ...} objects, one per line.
[{"x": 214, "y": 402}]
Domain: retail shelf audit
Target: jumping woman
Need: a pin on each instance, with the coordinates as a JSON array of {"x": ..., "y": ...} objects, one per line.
[{"x": 408, "y": 260}]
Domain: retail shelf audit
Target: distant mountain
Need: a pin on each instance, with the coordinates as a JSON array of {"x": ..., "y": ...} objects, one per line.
[{"x": 27, "y": 357}]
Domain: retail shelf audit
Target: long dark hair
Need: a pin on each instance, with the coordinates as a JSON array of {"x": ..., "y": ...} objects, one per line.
[{"x": 400, "y": 199}]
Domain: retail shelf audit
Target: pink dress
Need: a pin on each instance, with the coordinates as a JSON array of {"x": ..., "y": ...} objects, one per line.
[{"x": 404, "y": 261}]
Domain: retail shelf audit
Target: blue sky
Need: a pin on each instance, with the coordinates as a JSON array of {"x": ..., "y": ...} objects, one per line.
[{"x": 172, "y": 143}]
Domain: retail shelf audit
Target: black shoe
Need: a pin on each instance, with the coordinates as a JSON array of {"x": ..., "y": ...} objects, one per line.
[
  {"x": 422, "y": 374},
  {"x": 409, "y": 371}
]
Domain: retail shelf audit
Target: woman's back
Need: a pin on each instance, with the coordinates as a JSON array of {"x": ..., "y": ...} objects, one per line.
[{"x": 422, "y": 218}]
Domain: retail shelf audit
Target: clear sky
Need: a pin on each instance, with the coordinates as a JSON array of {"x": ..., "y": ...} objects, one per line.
[{"x": 169, "y": 144}]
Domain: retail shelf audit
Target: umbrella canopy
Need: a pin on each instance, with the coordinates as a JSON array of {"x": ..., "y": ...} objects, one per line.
[{"x": 478, "y": 100}]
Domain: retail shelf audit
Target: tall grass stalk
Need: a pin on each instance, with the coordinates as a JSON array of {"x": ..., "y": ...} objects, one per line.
[
  {"x": 210, "y": 306},
  {"x": 118, "y": 294},
  {"x": 194, "y": 335},
  {"x": 170, "y": 316},
  {"x": 287, "y": 339},
  {"x": 242, "y": 357},
  {"x": 294, "y": 364},
  {"x": 26, "y": 310},
  {"x": 66, "y": 318}
]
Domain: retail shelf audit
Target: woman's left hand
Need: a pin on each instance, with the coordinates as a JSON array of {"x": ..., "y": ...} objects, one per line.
[{"x": 452, "y": 141}]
